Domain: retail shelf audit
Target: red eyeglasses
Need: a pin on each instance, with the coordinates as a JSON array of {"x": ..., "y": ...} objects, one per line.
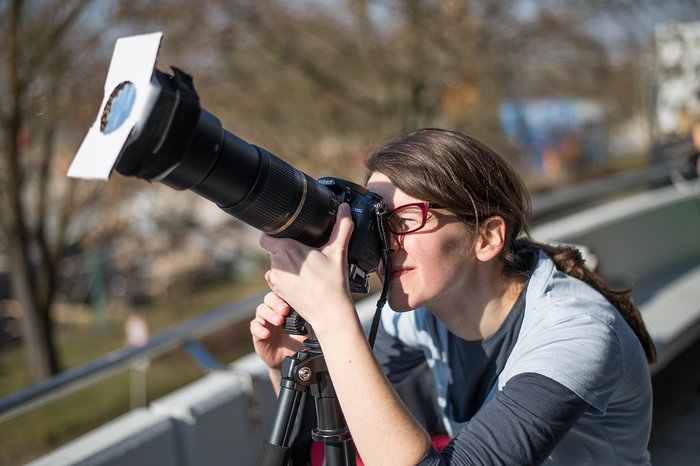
[{"x": 409, "y": 218}]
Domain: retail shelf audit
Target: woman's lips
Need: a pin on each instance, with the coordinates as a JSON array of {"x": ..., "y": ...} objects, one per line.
[{"x": 396, "y": 273}]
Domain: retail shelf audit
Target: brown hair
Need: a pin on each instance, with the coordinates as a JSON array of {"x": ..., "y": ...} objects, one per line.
[{"x": 466, "y": 177}]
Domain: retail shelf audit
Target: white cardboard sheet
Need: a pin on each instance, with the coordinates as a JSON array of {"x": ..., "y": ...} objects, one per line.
[{"x": 133, "y": 60}]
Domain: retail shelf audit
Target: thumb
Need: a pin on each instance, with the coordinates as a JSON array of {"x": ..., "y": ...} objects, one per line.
[{"x": 343, "y": 228}]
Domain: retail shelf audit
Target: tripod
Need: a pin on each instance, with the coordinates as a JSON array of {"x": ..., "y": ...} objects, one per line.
[{"x": 306, "y": 372}]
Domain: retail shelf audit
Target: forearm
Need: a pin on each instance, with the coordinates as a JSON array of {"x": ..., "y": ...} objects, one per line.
[
  {"x": 382, "y": 428},
  {"x": 275, "y": 379}
]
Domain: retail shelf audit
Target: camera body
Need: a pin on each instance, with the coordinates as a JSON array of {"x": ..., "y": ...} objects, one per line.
[{"x": 369, "y": 238}]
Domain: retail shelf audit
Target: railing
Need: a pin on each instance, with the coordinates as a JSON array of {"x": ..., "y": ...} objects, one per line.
[
  {"x": 545, "y": 206},
  {"x": 101, "y": 368},
  {"x": 549, "y": 205}
]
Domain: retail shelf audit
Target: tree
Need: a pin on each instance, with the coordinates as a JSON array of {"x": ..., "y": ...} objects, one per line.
[
  {"x": 367, "y": 70},
  {"x": 42, "y": 77}
]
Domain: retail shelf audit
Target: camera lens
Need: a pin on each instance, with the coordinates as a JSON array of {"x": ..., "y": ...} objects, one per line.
[
  {"x": 185, "y": 147},
  {"x": 256, "y": 187}
]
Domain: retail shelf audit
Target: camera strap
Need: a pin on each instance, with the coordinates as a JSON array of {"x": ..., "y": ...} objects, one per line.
[
  {"x": 380, "y": 302},
  {"x": 383, "y": 229}
]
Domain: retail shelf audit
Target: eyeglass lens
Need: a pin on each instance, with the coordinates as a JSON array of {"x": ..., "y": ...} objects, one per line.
[{"x": 408, "y": 219}]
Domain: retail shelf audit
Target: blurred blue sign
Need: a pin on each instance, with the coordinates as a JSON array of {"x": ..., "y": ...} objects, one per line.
[{"x": 559, "y": 137}]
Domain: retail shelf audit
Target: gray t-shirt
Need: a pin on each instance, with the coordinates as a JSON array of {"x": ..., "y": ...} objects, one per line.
[{"x": 575, "y": 363}]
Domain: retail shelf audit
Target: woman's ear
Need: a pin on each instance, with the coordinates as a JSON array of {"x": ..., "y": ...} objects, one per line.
[{"x": 491, "y": 238}]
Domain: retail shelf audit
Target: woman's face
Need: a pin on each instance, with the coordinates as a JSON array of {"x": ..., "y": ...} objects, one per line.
[{"x": 430, "y": 267}]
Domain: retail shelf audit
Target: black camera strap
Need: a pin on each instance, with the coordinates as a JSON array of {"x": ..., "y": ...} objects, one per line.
[{"x": 383, "y": 229}]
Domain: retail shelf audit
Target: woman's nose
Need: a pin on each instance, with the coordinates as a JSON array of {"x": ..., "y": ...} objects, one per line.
[{"x": 394, "y": 242}]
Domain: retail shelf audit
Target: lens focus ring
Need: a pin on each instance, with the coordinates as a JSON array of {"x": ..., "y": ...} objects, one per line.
[{"x": 287, "y": 203}]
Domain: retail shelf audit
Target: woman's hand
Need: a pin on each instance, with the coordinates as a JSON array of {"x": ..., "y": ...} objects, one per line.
[
  {"x": 271, "y": 342},
  {"x": 314, "y": 281}
]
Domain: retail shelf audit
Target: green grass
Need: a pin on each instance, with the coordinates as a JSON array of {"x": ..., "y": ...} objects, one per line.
[{"x": 41, "y": 430}]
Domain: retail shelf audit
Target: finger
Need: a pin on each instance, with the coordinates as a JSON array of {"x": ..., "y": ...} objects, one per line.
[
  {"x": 268, "y": 243},
  {"x": 259, "y": 331},
  {"x": 279, "y": 305},
  {"x": 275, "y": 245},
  {"x": 270, "y": 282},
  {"x": 343, "y": 228},
  {"x": 268, "y": 314}
]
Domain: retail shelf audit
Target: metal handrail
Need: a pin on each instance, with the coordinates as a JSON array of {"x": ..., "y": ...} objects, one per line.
[
  {"x": 544, "y": 206},
  {"x": 564, "y": 200},
  {"x": 119, "y": 360}
]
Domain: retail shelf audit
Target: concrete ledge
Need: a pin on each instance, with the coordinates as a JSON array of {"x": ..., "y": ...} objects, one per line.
[
  {"x": 667, "y": 320},
  {"x": 636, "y": 239},
  {"x": 672, "y": 316},
  {"x": 213, "y": 420},
  {"x": 137, "y": 438}
]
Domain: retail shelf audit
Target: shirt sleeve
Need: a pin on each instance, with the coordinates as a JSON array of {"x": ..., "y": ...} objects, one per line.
[
  {"x": 581, "y": 351},
  {"x": 521, "y": 425}
]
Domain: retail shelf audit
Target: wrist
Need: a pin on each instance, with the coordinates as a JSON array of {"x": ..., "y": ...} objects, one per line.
[
  {"x": 337, "y": 311},
  {"x": 338, "y": 324},
  {"x": 275, "y": 376}
]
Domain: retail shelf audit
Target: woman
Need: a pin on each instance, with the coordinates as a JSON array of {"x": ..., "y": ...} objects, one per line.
[{"x": 535, "y": 360}]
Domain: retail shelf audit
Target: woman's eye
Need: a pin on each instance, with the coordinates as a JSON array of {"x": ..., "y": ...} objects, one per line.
[{"x": 405, "y": 223}]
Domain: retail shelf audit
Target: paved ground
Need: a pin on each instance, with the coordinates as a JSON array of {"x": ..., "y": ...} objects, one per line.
[{"x": 675, "y": 437}]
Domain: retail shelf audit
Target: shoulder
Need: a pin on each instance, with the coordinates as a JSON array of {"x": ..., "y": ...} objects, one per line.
[
  {"x": 573, "y": 335},
  {"x": 556, "y": 299}
]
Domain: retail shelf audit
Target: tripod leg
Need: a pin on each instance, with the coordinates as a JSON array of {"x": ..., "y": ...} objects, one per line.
[
  {"x": 332, "y": 429},
  {"x": 277, "y": 449},
  {"x": 285, "y": 413}
]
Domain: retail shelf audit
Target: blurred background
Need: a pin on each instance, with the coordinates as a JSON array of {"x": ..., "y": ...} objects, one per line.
[{"x": 566, "y": 90}]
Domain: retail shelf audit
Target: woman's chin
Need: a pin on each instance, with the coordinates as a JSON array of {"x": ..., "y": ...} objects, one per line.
[{"x": 400, "y": 303}]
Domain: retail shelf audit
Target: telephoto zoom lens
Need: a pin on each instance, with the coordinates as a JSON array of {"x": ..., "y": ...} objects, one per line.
[{"x": 178, "y": 143}]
